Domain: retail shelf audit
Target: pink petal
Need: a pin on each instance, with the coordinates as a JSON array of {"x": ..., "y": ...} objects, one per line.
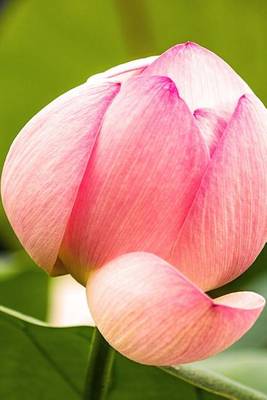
[
  {"x": 204, "y": 80},
  {"x": 226, "y": 227},
  {"x": 122, "y": 72},
  {"x": 211, "y": 126},
  {"x": 45, "y": 167},
  {"x": 152, "y": 314},
  {"x": 141, "y": 180}
]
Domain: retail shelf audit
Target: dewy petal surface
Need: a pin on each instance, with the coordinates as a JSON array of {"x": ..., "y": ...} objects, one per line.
[
  {"x": 45, "y": 166},
  {"x": 142, "y": 177},
  {"x": 203, "y": 79},
  {"x": 151, "y": 313},
  {"x": 226, "y": 227}
]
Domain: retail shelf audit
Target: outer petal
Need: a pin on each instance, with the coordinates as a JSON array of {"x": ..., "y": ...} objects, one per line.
[
  {"x": 204, "y": 80},
  {"x": 141, "y": 180},
  {"x": 122, "y": 72},
  {"x": 151, "y": 313},
  {"x": 226, "y": 227},
  {"x": 45, "y": 166}
]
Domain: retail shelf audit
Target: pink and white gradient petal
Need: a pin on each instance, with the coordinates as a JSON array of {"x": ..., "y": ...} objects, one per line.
[
  {"x": 141, "y": 180},
  {"x": 203, "y": 79},
  {"x": 226, "y": 227},
  {"x": 123, "y": 72},
  {"x": 45, "y": 166},
  {"x": 152, "y": 314}
]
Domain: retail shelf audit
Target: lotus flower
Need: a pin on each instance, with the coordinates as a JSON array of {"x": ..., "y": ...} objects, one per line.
[{"x": 148, "y": 184}]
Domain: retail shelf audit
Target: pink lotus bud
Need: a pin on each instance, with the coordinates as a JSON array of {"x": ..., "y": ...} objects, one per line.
[{"x": 164, "y": 157}]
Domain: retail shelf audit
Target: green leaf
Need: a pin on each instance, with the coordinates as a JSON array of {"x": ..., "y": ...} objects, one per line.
[
  {"x": 39, "y": 361},
  {"x": 246, "y": 366},
  {"x": 23, "y": 286},
  {"x": 216, "y": 383}
]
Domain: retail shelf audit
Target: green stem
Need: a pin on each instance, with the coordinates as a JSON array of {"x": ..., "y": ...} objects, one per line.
[
  {"x": 99, "y": 369},
  {"x": 214, "y": 383}
]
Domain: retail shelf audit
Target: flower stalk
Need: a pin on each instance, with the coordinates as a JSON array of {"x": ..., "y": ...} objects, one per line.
[{"x": 98, "y": 376}]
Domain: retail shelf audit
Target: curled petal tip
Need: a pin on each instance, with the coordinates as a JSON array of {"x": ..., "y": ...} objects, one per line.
[
  {"x": 152, "y": 314},
  {"x": 244, "y": 300}
]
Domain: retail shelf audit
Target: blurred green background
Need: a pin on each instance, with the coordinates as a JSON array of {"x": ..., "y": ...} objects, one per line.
[{"x": 47, "y": 47}]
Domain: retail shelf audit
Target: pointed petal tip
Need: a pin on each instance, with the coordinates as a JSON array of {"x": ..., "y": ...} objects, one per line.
[
  {"x": 243, "y": 101},
  {"x": 203, "y": 78},
  {"x": 169, "y": 85},
  {"x": 164, "y": 83},
  {"x": 250, "y": 100},
  {"x": 188, "y": 48},
  {"x": 189, "y": 45}
]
